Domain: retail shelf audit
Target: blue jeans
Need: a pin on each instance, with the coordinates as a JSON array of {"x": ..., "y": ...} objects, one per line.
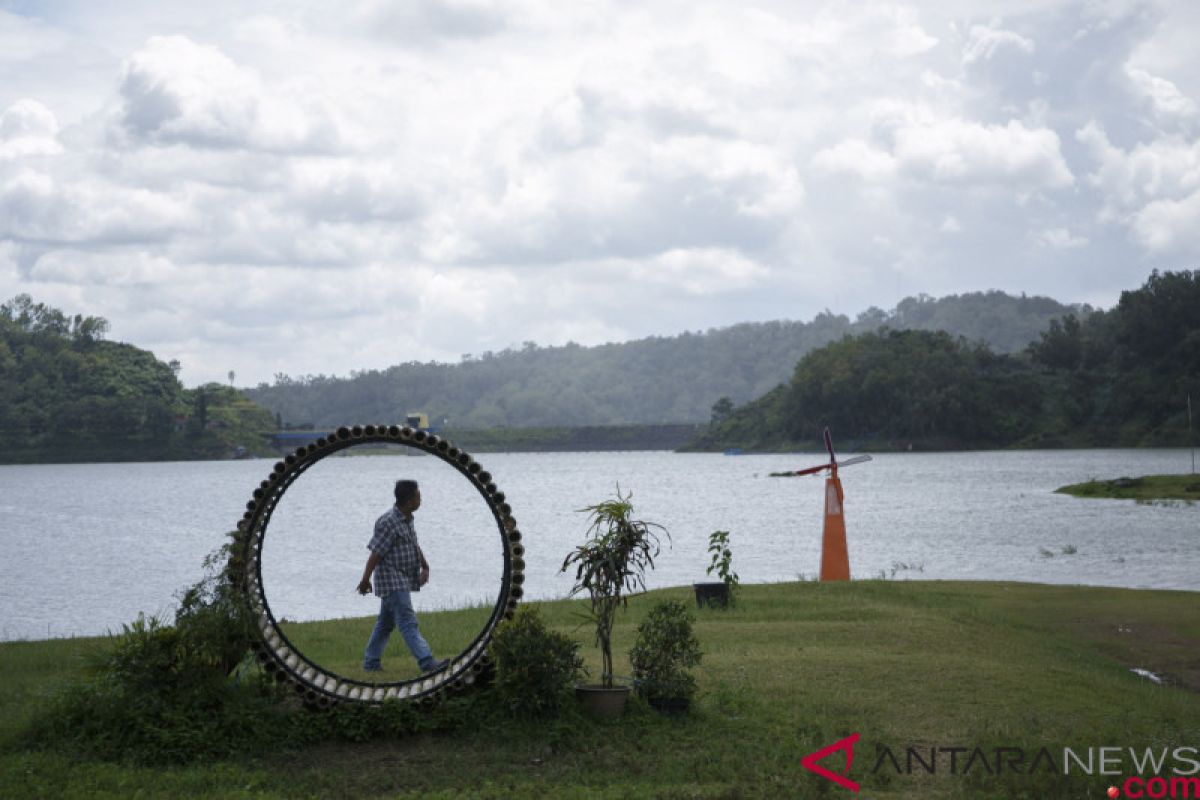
[{"x": 396, "y": 611}]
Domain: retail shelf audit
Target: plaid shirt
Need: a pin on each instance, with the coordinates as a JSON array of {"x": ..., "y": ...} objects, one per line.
[{"x": 395, "y": 541}]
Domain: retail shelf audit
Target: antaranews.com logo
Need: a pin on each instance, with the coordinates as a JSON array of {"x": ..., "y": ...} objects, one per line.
[{"x": 1175, "y": 771}]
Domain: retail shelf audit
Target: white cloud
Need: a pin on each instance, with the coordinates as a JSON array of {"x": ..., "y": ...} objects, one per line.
[
  {"x": 176, "y": 91},
  {"x": 35, "y": 206},
  {"x": 1153, "y": 188},
  {"x": 28, "y": 128},
  {"x": 1166, "y": 168},
  {"x": 856, "y": 157},
  {"x": 703, "y": 271},
  {"x": 986, "y": 42},
  {"x": 1170, "y": 226},
  {"x": 1165, "y": 96},
  {"x": 957, "y": 150},
  {"x": 85, "y": 268},
  {"x": 909, "y": 38},
  {"x": 1060, "y": 239}
]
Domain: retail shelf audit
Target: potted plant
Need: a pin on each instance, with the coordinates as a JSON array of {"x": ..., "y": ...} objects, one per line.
[
  {"x": 611, "y": 563},
  {"x": 661, "y": 656},
  {"x": 718, "y": 594}
]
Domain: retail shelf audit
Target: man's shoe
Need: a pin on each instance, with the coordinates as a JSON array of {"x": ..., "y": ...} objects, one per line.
[
  {"x": 437, "y": 665},
  {"x": 372, "y": 669}
]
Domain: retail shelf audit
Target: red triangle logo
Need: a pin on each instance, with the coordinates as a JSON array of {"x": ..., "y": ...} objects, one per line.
[{"x": 809, "y": 762}]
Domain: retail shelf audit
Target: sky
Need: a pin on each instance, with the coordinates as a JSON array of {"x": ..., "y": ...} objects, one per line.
[{"x": 318, "y": 188}]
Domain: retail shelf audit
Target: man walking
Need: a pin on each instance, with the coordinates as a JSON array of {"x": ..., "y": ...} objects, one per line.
[{"x": 399, "y": 568}]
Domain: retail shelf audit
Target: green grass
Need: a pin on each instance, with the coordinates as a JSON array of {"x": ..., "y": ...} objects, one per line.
[
  {"x": 792, "y": 668},
  {"x": 338, "y": 644},
  {"x": 1148, "y": 488}
]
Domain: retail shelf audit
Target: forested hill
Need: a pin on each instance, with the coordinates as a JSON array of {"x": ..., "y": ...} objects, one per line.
[
  {"x": 654, "y": 380},
  {"x": 1119, "y": 378},
  {"x": 68, "y": 395}
]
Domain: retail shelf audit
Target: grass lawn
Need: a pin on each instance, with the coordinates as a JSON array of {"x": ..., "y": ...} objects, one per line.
[
  {"x": 793, "y": 668},
  {"x": 1148, "y": 488},
  {"x": 338, "y": 644}
]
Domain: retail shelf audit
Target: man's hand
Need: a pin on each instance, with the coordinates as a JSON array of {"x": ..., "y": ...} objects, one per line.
[
  {"x": 364, "y": 586},
  {"x": 423, "y": 578}
]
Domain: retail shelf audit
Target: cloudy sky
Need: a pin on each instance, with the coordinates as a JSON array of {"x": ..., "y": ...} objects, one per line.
[{"x": 317, "y": 188}]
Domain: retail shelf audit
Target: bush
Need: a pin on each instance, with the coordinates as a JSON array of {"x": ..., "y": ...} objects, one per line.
[
  {"x": 212, "y": 617},
  {"x": 153, "y": 700},
  {"x": 664, "y": 651},
  {"x": 535, "y": 666},
  {"x": 163, "y": 694}
]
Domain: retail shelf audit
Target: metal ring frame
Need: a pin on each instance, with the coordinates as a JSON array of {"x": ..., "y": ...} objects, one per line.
[{"x": 316, "y": 684}]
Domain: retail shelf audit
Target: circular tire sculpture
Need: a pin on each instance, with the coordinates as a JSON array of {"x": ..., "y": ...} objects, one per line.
[{"x": 316, "y": 684}]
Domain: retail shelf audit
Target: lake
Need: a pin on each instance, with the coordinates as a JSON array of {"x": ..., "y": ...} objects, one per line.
[{"x": 89, "y": 546}]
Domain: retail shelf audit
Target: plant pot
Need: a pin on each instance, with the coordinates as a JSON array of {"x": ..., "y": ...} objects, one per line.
[
  {"x": 711, "y": 595},
  {"x": 672, "y": 706},
  {"x": 603, "y": 701}
]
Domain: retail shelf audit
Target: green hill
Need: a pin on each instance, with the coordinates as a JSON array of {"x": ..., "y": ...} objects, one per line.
[
  {"x": 1116, "y": 378},
  {"x": 68, "y": 395},
  {"x": 656, "y": 380}
]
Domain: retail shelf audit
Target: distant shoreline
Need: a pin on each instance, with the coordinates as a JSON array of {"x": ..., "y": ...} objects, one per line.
[{"x": 674, "y": 437}]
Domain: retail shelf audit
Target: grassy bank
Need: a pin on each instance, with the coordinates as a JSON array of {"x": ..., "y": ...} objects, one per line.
[
  {"x": 793, "y": 668},
  {"x": 1149, "y": 487}
]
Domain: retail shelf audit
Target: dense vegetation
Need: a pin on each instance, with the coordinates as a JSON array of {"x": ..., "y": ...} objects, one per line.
[
  {"x": 650, "y": 381},
  {"x": 66, "y": 394},
  {"x": 1113, "y": 378}
]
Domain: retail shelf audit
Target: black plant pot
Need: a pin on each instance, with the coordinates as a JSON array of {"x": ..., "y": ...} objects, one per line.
[{"x": 711, "y": 595}]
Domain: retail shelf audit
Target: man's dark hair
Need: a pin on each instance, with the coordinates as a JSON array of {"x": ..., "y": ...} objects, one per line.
[{"x": 404, "y": 491}]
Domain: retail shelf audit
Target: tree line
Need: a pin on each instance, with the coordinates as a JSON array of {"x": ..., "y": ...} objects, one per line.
[
  {"x": 67, "y": 394},
  {"x": 1107, "y": 378},
  {"x": 656, "y": 380},
  {"x": 973, "y": 370}
]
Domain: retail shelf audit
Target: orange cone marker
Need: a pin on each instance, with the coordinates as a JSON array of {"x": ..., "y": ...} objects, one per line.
[
  {"x": 835, "y": 560},
  {"x": 835, "y": 557}
]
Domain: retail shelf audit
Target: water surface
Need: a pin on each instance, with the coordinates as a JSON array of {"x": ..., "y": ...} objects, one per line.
[{"x": 89, "y": 546}]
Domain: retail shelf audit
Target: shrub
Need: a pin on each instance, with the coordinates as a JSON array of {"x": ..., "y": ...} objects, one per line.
[
  {"x": 163, "y": 694},
  {"x": 535, "y": 666},
  {"x": 664, "y": 651},
  {"x": 153, "y": 699},
  {"x": 212, "y": 617}
]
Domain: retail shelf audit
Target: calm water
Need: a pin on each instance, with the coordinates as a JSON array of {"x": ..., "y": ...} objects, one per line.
[{"x": 87, "y": 547}]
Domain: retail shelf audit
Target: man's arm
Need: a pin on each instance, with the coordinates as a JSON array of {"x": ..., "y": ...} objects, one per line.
[
  {"x": 364, "y": 586},
  {"x": 423, "y": 578}
]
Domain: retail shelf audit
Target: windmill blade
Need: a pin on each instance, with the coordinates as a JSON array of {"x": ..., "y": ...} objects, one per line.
[
  {"x": 854, "y": 460},
  {"x": 829, "y": 446}
]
